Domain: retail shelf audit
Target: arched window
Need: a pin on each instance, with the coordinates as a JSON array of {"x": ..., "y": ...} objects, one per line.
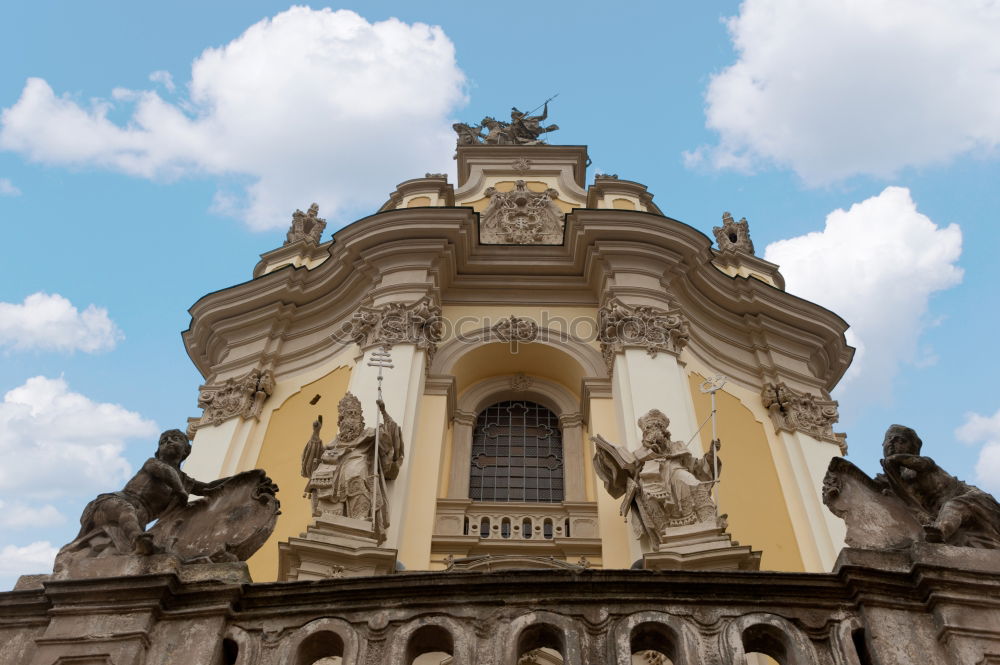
[{"x": 517, "y": 454}]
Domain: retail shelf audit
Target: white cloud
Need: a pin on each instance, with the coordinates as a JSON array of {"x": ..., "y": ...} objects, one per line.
[
  {"x": 164, "y": 78},
  {"x": 7, "y": 188},
  {"x": 18, "y": 515},
  {"x": 311, "y": 105},
  {"x": 876, "y": 265},
  {"x": 30, "y": 559},
  {"x": 51, "y": 323},
  {"x": 835, "y": 89},
  {"x": 54, "y": 442},
  {"x": 985, "y": 430}
]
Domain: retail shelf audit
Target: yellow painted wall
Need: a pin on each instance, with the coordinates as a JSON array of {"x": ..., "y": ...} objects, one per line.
[
  {"x": 288, "y": 431},
  {"x": 622, "y": 204},
  {"x": 419, "y": 202},
  {"x": 749, "y": 491},
  {"x": 615, "y": 532}
]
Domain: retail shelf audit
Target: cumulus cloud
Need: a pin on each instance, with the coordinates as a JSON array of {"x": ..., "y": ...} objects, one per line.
[
  {"x": 19, "y": 515},
  {"x": 310, "y": 105},
  {"x": 30, "y": 559},
  {"x": 836, "y": 89},
  {"x": 985, "y": 430},
  {"x": 164, "y": 78},
  {"x": 55, "y": 442},
  {"x": 876, "y": 265},
  {"x": 50, "y": 322},
  {"x": 7, "y": 188}
]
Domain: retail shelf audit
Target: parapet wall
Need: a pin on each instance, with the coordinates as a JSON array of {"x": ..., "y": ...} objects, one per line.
[{"x": 931, "y": 604}]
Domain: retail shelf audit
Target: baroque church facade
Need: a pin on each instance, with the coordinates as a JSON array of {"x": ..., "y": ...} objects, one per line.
[{"x": 525, "y": 417}]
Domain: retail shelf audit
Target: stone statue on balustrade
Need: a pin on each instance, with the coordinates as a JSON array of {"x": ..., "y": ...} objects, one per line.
[
  {"x": 347, "y": 478},
  {"x": 663, "y": 484},
  {"x": 913, "y": 500},
  {"x": 523, "y": 129},
  {"x": 231, "y": 522}
]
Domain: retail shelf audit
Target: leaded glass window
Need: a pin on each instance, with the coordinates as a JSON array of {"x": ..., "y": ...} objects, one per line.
[{"x": 517, "y": 454}]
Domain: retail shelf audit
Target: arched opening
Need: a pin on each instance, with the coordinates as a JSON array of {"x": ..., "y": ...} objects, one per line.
[
  {"x": 540, "y": 644},
  {"x": 430, "y": 645},
  {"x": 653, "y": 643},
  {"x": 230, "y": 651},
  {"x": 765, "y": 645},
  {"x": 321, "y": 648},
  {"x": 517, "y": 454},
  {"x": 861, "y": 646}
]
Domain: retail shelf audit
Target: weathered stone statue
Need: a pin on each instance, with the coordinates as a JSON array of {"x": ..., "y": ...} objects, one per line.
[
  {"x": 202, "y": 531},
  {"x": 342, "y": 477},
  {"x": 663, "y": 484},
  {"x": 913, "y": 500},
  {"x": 527, "y": 128}
]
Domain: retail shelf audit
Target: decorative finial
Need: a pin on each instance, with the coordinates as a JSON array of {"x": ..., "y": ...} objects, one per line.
[
  {"x": 306, "y": 226},
  {"x": 733, "y": 236}
]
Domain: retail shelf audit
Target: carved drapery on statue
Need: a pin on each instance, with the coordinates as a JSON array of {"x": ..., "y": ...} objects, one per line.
[
  {"x": 662, "y": 485},
  {"x": 651, "y": 328},
  {"x": 523, "y": 129},
  {"x": 733, "y": 236},
  {"x": 306, "y": 226},
  {"x": 231, "y": 522},
  {"x": 342, "y": 480},
  {"x": 521, "y": 217},
  {"x": 913, "y": 500},
  {"x": 795, "y": 411},
  {"x": 417, "y": 323},
  {"x": 241, "y": 396}
]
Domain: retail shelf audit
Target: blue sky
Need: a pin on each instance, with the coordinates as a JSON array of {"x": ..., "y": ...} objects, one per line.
[{"x": 131, "y": 184}]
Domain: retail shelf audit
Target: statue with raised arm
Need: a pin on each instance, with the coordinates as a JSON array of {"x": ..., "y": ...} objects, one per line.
[
  {"x": 913, "y": 500},
  {"x": 343, "y": 480},
  {"x": 663, "y": 484},
  {"x": 115, "y": 523},
  {"x": 525, "y": 129}
]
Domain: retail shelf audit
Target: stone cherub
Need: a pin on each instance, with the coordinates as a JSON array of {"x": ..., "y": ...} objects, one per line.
[
  {"x": 914, "y": 499},
  {"x": 663, "y": 484},
  {"x": 115, "y": 523},
  {"x": 342, "y": 480}
]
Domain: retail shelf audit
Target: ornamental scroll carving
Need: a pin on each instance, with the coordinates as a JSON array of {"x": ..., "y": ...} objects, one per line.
[
  {"x": 796, "y": 411},
  {"x": 416, "y": 323},
  {"x": 654, "y": 329},
  {"x": 306, "y": 226},
  {"x": 241, "y": 396},
  {"x": 521, "y": 217},
  {"x": 515, "y": 330}
]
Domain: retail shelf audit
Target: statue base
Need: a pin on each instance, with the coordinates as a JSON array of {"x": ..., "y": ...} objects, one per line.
[
  {"x": 334, "y": 546},
  {"x": 702, "y": 546},
  {"x": 134, "y": 565}
]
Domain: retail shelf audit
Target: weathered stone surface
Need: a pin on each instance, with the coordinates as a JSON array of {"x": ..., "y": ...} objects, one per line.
[
  {"x": 523, "y": 129},
  {"x": 733, "y": 236},
  {"x": 926, "y": 604},
  {"x": 241, "y": 396},
  {"x": 914, "y": 500},
  {"x": 521, "y": 217},
  {"x": 656, "y": 330},
  {"x": 307, "y": 226}
]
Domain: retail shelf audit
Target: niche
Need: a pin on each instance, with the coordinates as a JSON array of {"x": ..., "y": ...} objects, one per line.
[
  {"x": 653, "y": 644},
  {"x": 321, "y": 648},
  {"x": 540, "y": 644},
  {"x": 430, "y": 645}
]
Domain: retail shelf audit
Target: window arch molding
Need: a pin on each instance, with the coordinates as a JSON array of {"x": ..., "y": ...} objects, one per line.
[{"x": 553, "y": 396}]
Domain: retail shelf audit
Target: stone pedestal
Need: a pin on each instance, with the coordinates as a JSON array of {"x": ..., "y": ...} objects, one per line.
[
  {"x": 334, "y": 546},
  {"x": 702, "y": 546}
]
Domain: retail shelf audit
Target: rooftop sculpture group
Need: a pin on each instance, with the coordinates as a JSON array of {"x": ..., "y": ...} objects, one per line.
[
  {"x": 234, "y": 519},
  {"x": 913, "y": 500},
  {"x": 523, "y": 129}
]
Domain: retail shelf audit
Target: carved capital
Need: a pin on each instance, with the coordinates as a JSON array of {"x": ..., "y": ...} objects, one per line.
[
  {"x": 417, "y": 323},
  {"x": 241, "y": 396},
  {"x": 657, "y": 330},
  {"x": 733, "y": 236},
  {"x": 794, "y": 411}
]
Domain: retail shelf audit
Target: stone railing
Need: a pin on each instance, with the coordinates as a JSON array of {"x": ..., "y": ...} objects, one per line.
[
  {"x": 567, "y": 530},
  {"x": 931, "y": 604}
]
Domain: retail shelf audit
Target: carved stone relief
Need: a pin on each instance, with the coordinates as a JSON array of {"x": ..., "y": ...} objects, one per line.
[
  {"x": 794, "y": 411},
  {"x": 521, "y": 382},
  {"x": 523, "y": 129},
  {"x": 306, "y": 226},
  {"x": 521, "y": 217},
  {"x": 733, "y": 236},
  {"x": 417, "y": 323},
  {"x": 651, "y": 328},
  {"x": 241, "y": 396},
  {"x": 515, "y": 330}
]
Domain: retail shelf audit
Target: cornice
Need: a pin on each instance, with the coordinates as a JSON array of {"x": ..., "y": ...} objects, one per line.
[{"x": 444, "y": 242}]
